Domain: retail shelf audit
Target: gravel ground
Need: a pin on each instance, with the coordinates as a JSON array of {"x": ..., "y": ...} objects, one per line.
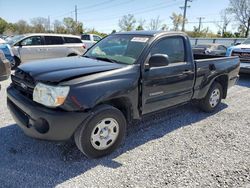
[{"x": 182, "y": 147}]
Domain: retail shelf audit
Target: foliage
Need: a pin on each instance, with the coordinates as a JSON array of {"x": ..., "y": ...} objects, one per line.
[
  {"x": 127, "y": 23},
  {"x": 3, "y": 25},
  {"x": 177, "y": 20},
  {"x": 241, "y": 10},
  {"x": 155, "y": 24}
]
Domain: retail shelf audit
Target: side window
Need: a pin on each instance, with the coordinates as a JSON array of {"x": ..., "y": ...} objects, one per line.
[
  {"x": 85, "y": 37},
  {"x": 72, "y": 40},
  {"x": 96, "y": 38},
  {"x": 53, "y": 40},
  {"x": 222, "y": 48},
  {"x": 173, "y": 47},
  {"x": 32, "y": 41}
]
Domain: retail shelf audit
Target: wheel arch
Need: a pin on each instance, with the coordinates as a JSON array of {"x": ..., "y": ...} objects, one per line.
[{"x": 223, "y": 81}]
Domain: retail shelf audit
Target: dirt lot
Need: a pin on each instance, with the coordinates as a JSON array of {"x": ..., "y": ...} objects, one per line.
[{"x": 182, "y": 147}]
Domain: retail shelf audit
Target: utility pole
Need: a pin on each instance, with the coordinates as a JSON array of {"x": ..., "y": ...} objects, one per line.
[
  {"x": 185, "y": 13},
  {"x": 76, "y": 13},
  {"x": 200, "y": 22}
]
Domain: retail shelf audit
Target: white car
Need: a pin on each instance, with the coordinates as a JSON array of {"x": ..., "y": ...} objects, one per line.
[
  {"x": 29, "y": 47},
  {"x": 243, "y": 51},
  {"x": 90, "y": 39},
  {"x": 2, "y": 41}
]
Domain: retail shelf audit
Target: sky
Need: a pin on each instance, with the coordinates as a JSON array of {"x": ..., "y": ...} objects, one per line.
[{"x": 104, "y": 15}]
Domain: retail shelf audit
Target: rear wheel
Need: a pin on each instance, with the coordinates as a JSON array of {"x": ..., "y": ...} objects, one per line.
[
  {"x": 212, "y": 99},
  {"x": 102, "y": 133}
]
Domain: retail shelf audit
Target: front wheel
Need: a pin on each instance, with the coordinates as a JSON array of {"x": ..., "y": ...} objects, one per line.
[
  {"x": 102, "y": 133},
  {"x": 212, "y": 99}
]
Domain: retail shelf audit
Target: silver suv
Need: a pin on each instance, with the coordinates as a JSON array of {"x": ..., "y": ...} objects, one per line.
[{"x": 30, "y": 47}]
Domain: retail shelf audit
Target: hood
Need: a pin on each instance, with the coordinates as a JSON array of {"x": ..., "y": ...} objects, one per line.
[
  {"x": 61, "y": 69},
  {"x": 242, "y": 46}
]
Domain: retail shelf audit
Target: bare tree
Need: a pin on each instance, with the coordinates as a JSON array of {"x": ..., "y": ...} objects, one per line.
[
  {"x": 241, "y": 11},
  {"x": 59, "y": 27},
  {"x": 155, "y": 24},
  {"x": 177, "y": 20},
  {"x": 127, "y": 23},
  {"x": 225, "y": 22},
  {"x": 39, "y": 24}
]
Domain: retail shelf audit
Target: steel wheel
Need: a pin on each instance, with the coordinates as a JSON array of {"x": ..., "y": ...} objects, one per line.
[
  {"x": 104, "y": 134},
  {"x": 214, "y": 98}
]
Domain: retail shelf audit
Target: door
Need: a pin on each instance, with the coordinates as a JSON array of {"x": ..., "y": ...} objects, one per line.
[
  {"x": 54, "y": 47},
  {"x": 170, "y": 85},
  {"x": 31, "y": 48}
]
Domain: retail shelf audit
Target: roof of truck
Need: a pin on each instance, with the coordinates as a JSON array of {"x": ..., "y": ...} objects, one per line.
[{"x": 148, "y": 33}]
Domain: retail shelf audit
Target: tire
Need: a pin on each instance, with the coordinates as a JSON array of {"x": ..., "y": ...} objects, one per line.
[
  {"x": 102, "y": 133},
  {"x": 213, "y": 98},
  {"x": 17, "y": 62}
]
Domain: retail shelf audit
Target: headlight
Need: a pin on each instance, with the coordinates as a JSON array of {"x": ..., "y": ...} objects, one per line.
[{"x": 51, "y": 96}]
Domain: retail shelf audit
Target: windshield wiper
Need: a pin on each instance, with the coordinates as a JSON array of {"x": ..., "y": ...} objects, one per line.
[{"x": 106, "y": 59}]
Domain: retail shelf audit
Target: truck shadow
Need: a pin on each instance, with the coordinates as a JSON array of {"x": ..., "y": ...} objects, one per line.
[
  {"x": 30, "y": 162},
  {"x": 244, "y": 80}
]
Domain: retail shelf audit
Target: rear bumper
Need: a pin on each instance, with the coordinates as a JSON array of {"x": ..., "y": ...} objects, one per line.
[{"x": 41, "y": 122}]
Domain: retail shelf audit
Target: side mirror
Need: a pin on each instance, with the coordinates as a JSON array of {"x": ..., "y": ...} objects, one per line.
[{"x": 158, "y": 60}]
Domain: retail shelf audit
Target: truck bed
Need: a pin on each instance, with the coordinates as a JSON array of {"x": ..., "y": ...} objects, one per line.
[{"x": 209, "y": 67}]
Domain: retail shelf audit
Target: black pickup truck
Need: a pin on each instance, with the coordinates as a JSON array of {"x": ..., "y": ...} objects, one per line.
[{"x": 121, "y": 78}]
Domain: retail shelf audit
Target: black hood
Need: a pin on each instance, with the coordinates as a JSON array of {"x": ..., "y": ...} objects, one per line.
[{"x": 61, "y": 69}]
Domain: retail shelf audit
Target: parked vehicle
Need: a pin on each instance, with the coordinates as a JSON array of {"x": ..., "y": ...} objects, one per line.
[
  {"x": 90, "y": 39},
  {"x": 210, "y": 49},
  {"x": 2, "y": 41},
  {"x": 4, "y": 67},
  {"x": 243, "y": 52},
  {"x": 6, "y": 49},
  {"x": 31, "y": 47},
  {"x": 123, "y": 77}
]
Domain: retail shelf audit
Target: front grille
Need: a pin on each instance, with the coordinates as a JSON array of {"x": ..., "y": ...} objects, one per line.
[
  {"x": 244, "y": 56},
  {"x": 23, "y": 82}
]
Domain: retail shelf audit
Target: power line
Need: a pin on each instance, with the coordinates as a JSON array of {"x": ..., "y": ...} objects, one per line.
[
  {"x": 142, "y": 11},
  {"x": 184, "y": 13}
]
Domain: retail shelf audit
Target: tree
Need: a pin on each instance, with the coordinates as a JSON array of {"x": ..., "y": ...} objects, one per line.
[
  {"x": 155, "y": 24},
  {"x": 241, "y": 11},
  {"x": 127, "y": 23},
  {"x": 39, "y": 24},
  {"x": 141, "y": 24},
  {"x": 3, "y": 25},
  {"x": 164, "y": 27},
  {"x": 22, "y": 27},
  {"x": 177, "y": 20},
  {"x": 59, "y": 27},
  {"x": 225, "y": 22},
  {"x": 72, "y": 26}
]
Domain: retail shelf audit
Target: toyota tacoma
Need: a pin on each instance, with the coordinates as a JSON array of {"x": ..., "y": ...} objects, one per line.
[{"x": 123, "y": 77}]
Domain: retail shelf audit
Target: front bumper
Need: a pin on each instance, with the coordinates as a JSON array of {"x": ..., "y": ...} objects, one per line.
[
  {"x": 245, "y": 68},
  {"x": 41, "y": 122}
]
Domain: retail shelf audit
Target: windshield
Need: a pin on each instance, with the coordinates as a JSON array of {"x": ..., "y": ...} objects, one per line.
[
  {"x": 119, "y": 48},
  {"x": 12, "y": 40},
  {"x": 246, "y": 41}
]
